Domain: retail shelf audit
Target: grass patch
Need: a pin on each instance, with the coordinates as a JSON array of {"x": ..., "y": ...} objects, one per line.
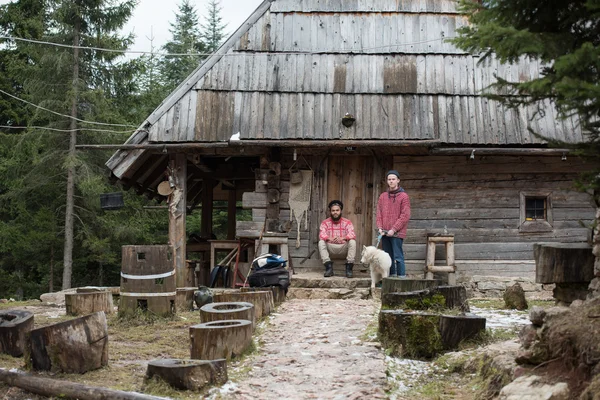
[{"x": 487, "y": 303}]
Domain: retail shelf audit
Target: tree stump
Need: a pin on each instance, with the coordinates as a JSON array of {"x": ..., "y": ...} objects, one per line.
[
  {"x": 278, "y": 292},
  {"x": 456, "y": 296},
  {"x": 189, "y": 374},
  {"x": 227, "y": 311},
  {"x": 74, "y": 346},
  {"x": 410, "y": 334},
  {"x": 455, "y": 329},
  {"x": 85, "y": 303},
  {"x": 398, "y": 285},
  {"x": 563, "y": 263},
  {"x": 14, "y": 327},
  {"x": 220, "y": 339},
  {"x": 262, "y": 300},
  {"x": 184, "y": 299},
  {"x": 424, "y": 335}
]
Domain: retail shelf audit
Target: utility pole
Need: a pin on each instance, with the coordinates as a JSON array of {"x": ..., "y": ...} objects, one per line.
[{"x": 68, "y": 252}]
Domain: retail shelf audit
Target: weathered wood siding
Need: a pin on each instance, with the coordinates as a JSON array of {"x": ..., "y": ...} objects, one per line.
[
  {"x": 479, "y": 202},
  {"x": 476, "y": 200}
]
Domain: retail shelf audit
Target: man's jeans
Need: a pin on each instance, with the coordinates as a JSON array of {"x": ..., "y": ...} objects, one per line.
[{"x": 393, "y": 246}]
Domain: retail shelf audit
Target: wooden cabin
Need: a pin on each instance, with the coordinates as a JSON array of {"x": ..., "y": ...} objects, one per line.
[{"x": 280, "y": 94}]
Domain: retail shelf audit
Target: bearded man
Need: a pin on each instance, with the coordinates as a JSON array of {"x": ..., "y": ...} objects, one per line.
[{"x": 337, "y": 239}]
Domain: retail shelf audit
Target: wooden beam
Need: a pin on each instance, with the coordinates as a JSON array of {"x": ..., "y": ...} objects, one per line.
[
  {"x": 177, "y": 211},
  {"x": 467, "y": 151},
  {"x": 157, "y": 147},
  {"x": 65, "y": 389},
  {"x": 332, "y": 143},
  {"x": 231, "y": 214},
  {"x": 207, "y": 208}
]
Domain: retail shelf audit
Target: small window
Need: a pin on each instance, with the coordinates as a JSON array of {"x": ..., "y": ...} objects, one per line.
[
  {"x": 535, "y": 212},
  {"x": 535, "y": 209}
]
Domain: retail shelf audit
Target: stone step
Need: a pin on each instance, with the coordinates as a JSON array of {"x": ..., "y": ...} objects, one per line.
[
  {"x": 339, "y": 269},
  {"x": 325, "y": 293},
  {"x": 316, "y": 280}
]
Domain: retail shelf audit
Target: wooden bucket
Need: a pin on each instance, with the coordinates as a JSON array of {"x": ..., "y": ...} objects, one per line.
[{"x": 148, "y": 280}]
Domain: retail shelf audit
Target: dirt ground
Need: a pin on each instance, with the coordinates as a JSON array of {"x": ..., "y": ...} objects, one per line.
[{"x": 315, "y": 349}]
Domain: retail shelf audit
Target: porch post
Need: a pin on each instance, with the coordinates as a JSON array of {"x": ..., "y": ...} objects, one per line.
[{"x": 184, "y": 276}]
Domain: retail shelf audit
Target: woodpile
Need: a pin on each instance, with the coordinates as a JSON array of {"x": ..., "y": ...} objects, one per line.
[
  {"x": 14, "y": 327},
  {"x": 188, "y": 374},
  {"x": 220, "y": 339},
  {"x": 74, "y": 346}
]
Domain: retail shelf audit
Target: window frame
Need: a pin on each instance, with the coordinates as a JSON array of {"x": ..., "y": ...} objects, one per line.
[{"x": 537, "y": 225}]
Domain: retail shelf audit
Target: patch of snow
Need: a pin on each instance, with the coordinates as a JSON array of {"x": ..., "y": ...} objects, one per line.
[
  {"x": 235, "y": 137},
  {"x": 496, "y": 319},
  {"x": 404, "y": 372},
  {"x": 217, "y": 392}
]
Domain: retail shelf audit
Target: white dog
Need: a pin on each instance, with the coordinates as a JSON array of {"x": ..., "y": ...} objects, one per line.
[{"x": 379, "y": 263}]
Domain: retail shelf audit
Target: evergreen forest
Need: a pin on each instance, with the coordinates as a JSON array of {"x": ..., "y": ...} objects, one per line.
[{"x": 65, "y": 79}]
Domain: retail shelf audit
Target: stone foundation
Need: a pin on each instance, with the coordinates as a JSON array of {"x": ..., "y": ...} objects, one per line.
[{"x": 494, "y": 287}]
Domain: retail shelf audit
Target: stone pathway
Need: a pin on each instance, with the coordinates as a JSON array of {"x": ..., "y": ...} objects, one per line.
[{"x": 314, "y": 349}]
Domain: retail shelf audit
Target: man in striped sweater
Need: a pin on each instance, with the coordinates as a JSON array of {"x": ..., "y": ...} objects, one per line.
[
  {"x": 337, "y": 239},
  {"x": 393, "y": 214}
]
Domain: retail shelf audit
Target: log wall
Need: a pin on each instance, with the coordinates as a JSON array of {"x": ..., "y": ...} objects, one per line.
[{"x": 477, "y": 200}]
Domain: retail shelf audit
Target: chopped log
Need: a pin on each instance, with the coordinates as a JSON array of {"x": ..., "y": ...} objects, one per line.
[
  {"x": 74, "y": 346},
  {"x": 14, "y": 327},
  {"x": 85, "y": 303},
  {"x": 184, "y": 299},
  {"x": 456, "y": 296},
  {"x": 262, "y": 300},
  {"x": 227, "y": 311},
  {"x": 189, "y": 374},
  {"x": 278, "y": 292},
  {"x": 410, "y": 334},
  {"x": 397, "y": 285},
  {"x": 65, "y": 389},
  {"x": 424, "y": 335},
  {"x": 563, "y": 263},
  {"x": 220, "y": 339},
  {"x": 453, "y": 297},
  {"x": 456, "y": 329}
]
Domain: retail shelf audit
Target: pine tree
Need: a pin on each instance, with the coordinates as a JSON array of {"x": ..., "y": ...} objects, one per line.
[
  {"x": 564, "y": 36},
  {"x": 186, "y": 40},
  {"x": 213, "y": 30}
]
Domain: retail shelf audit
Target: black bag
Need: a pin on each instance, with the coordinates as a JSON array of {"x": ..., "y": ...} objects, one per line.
[{"x": 278, "y": 276}]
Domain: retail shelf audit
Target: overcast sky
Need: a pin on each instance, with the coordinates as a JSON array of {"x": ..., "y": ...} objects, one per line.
[{"x": 151, "y": 18}]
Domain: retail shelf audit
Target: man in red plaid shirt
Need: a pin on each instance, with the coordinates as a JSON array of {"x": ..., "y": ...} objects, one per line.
[
  {"x": 337, "y": 238},
  {"x": 393, "y": 214}
]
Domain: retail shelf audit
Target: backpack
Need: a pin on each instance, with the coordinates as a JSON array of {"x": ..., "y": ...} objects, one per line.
[
  {"x": 268, "y": 261},
  {"x": 269, "y": 270}
]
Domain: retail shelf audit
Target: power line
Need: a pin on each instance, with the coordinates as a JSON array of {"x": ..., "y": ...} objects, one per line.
[
  {"x": 361, "y": 49},
  {"x": 63, "y": 130},
  {"x": 64, "y": 115}
]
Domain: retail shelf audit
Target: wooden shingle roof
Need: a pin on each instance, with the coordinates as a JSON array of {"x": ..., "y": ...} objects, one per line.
[{"x": 296, "y": 67}]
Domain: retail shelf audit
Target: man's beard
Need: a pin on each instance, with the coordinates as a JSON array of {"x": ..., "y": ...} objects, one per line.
[{"x": 336, "y": 219}]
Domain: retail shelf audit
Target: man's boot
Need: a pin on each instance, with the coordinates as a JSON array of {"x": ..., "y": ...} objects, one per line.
[
  {"x": 328, "y": 269},
  {"x": 349, "y": 269}
]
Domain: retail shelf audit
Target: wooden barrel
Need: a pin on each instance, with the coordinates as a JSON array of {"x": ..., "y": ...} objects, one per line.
[{"x": 147, "y": 280}]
